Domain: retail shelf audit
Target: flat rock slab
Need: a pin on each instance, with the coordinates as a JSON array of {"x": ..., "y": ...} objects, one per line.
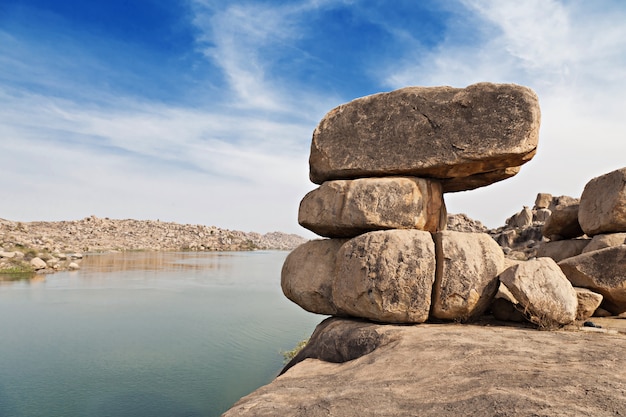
[
  {"x": 468, "y": 137},
  {"x": 454, "y": 370},
  {"x": 347, "y": 208},
  {"x": 603, "y": 204}
]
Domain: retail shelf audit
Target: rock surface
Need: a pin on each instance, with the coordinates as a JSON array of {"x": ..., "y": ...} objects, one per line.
[
  {"x": 602, "y": 271},
  {"x": 386, "y": 276},
  {"x": 466, "y": 279},
  {"x": 588, "y": 303},
  {"x": 563, "y": 223},
  {"x": 347, "y": 208},
  {"x": 543, "y": 291},
  {"x": 424, "y": 132},
  {"x": 603, "y": 204},
  {"x": 562, "y": 249},
  {"x": 605, "y": 241},
  {"x": 448, "y": 370}
]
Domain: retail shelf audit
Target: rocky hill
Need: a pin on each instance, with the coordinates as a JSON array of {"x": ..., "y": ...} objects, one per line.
[{"x": 55, "y": 240}]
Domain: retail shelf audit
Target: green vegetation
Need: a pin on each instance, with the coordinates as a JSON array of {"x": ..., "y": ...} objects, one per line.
[
  {"x": 16, "y": 267},
  {"x": 290, "y": 354}
]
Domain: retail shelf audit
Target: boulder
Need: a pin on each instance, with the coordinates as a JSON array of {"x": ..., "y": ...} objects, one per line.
[
  {"x": 541, "y": 215},
  {"x": 588, "y": 303},
  {"x": 605, "y": 241},
  {"x": 543, "y": 201},
  {"x": 347, "y": 208},
  {"x": 463, "y": 223},
  {"x": 562, "y": 249},
  {"x": 386, "y": 276},
  {"x": 602, "y": 271},
  {"x": 308, "y": 273},
  {"x": 563, "y": 223},
  {"x": 603, "y": 204},
  {"x": 543, "y": 291},
  {"x": 37, "y": 264},
  {"x": 466, "y": 278},
  {"x": 468, "y": 137}
]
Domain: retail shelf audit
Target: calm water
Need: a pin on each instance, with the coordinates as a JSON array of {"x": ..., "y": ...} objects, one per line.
[{"x": 145, "y": 334}]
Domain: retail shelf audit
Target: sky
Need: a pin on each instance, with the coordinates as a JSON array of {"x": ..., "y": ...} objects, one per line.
[{"x": 202, "y": 111}]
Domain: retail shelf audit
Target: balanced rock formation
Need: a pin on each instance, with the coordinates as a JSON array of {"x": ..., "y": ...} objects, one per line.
[
  {"x": 347, "y": 208},
  {"x": 467, "y": 137}
]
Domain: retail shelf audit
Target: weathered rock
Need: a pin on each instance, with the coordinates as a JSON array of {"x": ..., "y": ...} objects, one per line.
[
  {"x": 37, "y": 264},
  {"x": 8, "y": 255},
  {"x": 347, "y": 208},
  {"x": 602, "y": 271},
  {"x": 446, "y": 370},
  {"x": 386, "y": 276},
  {"x": 463, "y": 223},
  {"x": 605, "y": 241},
  {"x": 543, "y": 291},
  {"x": 339, "y": 340},
  {"x": 563, "y": 201},
  {"x": 308, "y": 273},
  {"x": 73, "y": 266},
  {"x": 603, "y": 204},
  {"x": 541, "y": 215},
  {"x": 563, "y": 223},
  {"x": 543, "y": 201},
  {"x": 466, "y": 280},
  {"x": 588, "y": 303},
  {"x": 524, "y": 218},
  {"x": 562, "y": 249},
  {"x": 468, "y": 137}
]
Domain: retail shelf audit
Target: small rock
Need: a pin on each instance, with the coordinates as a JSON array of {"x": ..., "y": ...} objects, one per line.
[
  {"x": 37, "y": 264},
  {"x": 73, "y": 266}
]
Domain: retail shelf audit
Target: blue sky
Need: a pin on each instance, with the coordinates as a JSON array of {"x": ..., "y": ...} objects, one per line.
[{"x": 201, "y": 111}]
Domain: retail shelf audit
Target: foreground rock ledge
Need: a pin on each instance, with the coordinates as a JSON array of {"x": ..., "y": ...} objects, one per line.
[{"x": 454, "y": 370}]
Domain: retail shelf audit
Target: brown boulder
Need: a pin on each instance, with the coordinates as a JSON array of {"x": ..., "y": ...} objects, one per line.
[
  {"x": 308, "y": 273},
  {"x": 603, "y": 204},
  {"x": 561, "y": 249},
  {"x": 466, "y": 280},
  {"x": 386, "y": 276},
  {"x": 605, "y": 241},
  {"x": 602, "y": 271},
  {"x": 467, "y": 137},
  {"x": 543, "y": 291},
  {"x": 347, "y": 208},
  {"x": 588, "y": 303},
  {"x": 543, "y": 201},
  {"x": 563, "y": 223}
]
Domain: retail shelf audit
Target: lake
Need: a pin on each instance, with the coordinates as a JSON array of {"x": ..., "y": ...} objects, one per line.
[{"x": 146, "y": 334}]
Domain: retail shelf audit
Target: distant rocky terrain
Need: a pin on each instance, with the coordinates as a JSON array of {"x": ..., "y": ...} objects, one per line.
[{"x": 61, "y": 243}]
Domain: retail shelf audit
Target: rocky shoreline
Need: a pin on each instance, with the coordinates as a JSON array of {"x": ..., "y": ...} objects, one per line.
[{"x": 51, "y": 246}]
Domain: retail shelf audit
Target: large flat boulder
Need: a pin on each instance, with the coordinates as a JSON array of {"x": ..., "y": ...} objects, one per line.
[
  {"x": 603, "y": 204},
  {"x": 347, "y": 208},
  {"x": 543, "y": 291},
  {"x": 308, "y": 273},
  {"x": 467, "y": 137},
  {"x": 386, "y": 276},
  {"x": 447, "y": 370},
  {"x": 561, "y": 249},
  {"x": 605, "y": 241},
  {"x": 466, "y": 279},
  {"x": 602, "y": 271}
]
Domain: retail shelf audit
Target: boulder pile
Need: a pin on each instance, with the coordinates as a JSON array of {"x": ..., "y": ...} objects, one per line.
[{"x": 383, "y": 164}]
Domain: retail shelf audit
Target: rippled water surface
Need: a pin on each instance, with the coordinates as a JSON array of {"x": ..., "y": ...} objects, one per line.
[{"x": 145, "y": 334}]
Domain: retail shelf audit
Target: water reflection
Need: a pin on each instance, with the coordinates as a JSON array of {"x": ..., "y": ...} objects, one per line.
[{"x": 151, "y": 261}]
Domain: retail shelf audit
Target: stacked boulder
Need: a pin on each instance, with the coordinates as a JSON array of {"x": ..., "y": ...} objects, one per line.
[{"x": 383, "y": 163}]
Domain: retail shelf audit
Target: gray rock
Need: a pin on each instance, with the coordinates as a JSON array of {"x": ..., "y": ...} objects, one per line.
[
  {"x": 603, "y": 204},
  {"x": 424, "y": 132},
  {"x": 347, "y": 208},
  {"x": 602, "y": 271},
  {"x": 543, "y": 291},
  {"x": 466, "y": 280},
  {"x": 386, "y": 276}
]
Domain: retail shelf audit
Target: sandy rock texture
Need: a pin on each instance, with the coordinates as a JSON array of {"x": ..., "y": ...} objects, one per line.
[{"x": 448, "y": 370}]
